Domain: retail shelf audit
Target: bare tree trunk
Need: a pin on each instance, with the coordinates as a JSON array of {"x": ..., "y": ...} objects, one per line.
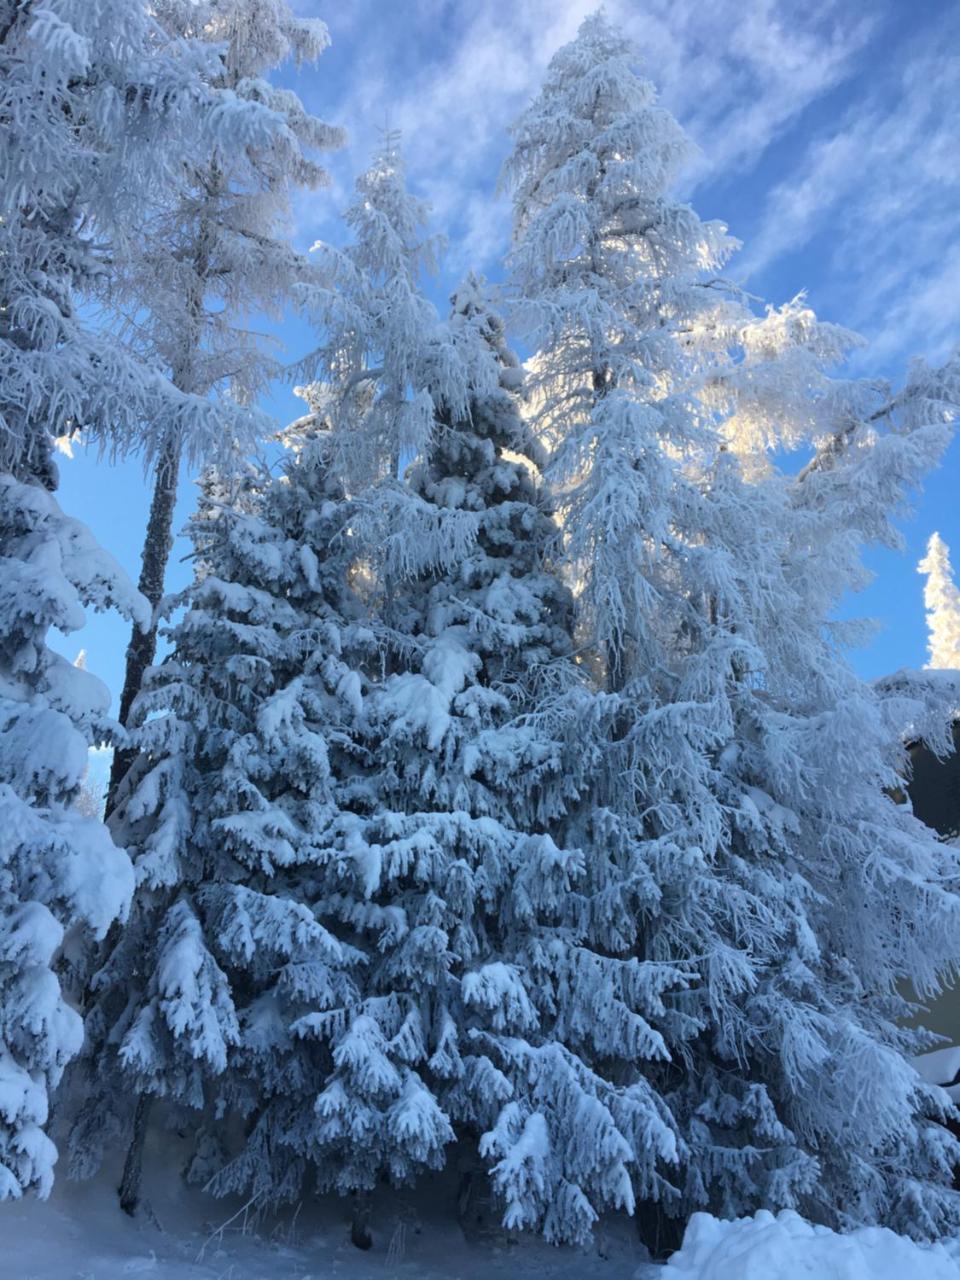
[
  {"x": 129, "y": 1189},
  {"x": 475, "y": 1210},
  {"x": 158, "y": 542},
  {"x": 157, "y": 546}
]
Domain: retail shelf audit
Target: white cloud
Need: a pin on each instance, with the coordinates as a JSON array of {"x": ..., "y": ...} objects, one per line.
[
  {"x": 924, "y": 317},
  {"x": 736, "y": 72},
  {"x": 874, "y": 205},
  {"x": 739, "y": 74},
  {"x": 875, "y": 190}
]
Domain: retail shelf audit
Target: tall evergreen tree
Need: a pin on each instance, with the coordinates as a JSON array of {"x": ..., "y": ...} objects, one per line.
[
  {"x": 212, "y": 817},
  {"x": 99, "y": 112},
  {"x": 213, "y": 256},
  {"x": 744, "y": 868},
  {"x": 230, "y": 813},
  {"x": 464, "y": 791},
  {"x": 883, "y": 892},
  {"x": 456, "y": 888}
]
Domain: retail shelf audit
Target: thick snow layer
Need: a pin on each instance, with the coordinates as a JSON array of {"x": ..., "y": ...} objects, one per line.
[
  {"x": 942, "y": 1066},
  {"x": 786, "y": 1247}
]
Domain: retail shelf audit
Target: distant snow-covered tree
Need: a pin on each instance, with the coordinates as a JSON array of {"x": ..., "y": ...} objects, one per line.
[
  {"x": 213, "y": 254},
  {"x": 942, "y": 599},
  {"x": 89, "y": 799}
]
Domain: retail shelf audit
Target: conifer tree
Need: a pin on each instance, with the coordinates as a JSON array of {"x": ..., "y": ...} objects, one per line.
[
  {"x": 456, "y": 865},
  {"x": 479, "y": 999},
  {"x": 214, "y": 255},
  {"x": 872, "y": 868},
  {"x": 942, "y": 599},
  {"x": 99, "y": 112},
  {"x": 743, "y": 864},
  {"x": 230, "y": 813},
  {"x": 454, "y": 885}
]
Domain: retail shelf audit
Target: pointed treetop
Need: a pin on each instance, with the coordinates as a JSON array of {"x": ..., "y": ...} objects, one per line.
[
  {"x": 386, "y": 364},
  {"x": 388, "y": 222},
  {"x": 942, "y": 598},
  {"x": 594, "y": 128}
]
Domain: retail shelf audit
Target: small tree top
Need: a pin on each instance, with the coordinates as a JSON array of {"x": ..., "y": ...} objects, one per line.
[{"x": 942, "y": 599}]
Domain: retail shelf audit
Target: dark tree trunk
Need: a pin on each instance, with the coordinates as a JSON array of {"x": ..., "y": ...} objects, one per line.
[
  {"x": 661, "y": 1234},
  {"x": 129, "y": 1190},
  {"x": 157, "y": 546},
  {"x": 614, "y": 668},
  {"x": 360, "y": 1220}
]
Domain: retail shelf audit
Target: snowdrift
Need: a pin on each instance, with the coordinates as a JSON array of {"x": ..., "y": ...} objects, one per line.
[{"x": 787, "y": 1247}]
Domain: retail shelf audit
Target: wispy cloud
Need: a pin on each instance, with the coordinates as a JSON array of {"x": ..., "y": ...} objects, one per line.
[
  {"x": 452, "y": 78},
  {"x": 871, "y": 200},
  {"x": 738, "y": 75},
  {"x": 904, "y": 132},
  {"x": 451, "y": 81},
  {"x": 871, "y": 207}
]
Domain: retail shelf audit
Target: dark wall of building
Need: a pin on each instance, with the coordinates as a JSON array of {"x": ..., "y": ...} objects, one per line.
[{"x": 935, "y": 788}]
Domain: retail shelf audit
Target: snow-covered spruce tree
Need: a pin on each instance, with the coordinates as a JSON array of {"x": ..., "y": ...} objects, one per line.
[
  {"x": 457, "y": 810},
  {"x": 458, "y": 891},
  {"x": 942, "y": 599},
  {"x": 213, "y": 256},
  {"x": 737, "y": 838},
  {"x": 230, "y": 813},
  {"x": 97, "y": 115},
  {"x": 60, "y": 872}
]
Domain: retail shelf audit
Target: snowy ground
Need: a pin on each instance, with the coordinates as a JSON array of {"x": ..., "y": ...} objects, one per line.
[{"x": 80, "y": 1234}]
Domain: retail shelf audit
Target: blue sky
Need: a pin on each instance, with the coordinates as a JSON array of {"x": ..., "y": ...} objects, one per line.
[{"x": 828, "y": 143}]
